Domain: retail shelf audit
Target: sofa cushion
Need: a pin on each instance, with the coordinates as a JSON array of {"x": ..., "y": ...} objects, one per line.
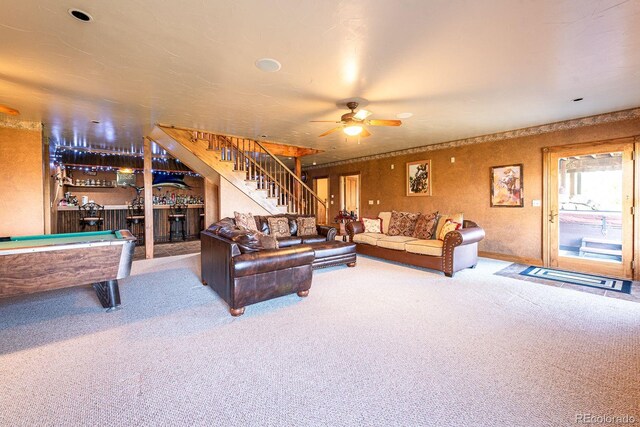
[
  {"x": 402, "y": 223},
  {"x": 245, "y": 220},
  {"x": 458, "y": 217},
  {"x": 279, "y": 226},
  {"x": 371, "y": 225},
  {"x": 285, "y": 242},
  {"x": 313, "y": 239},
  {"x": 368, "y": 238},
  {"x": 447, "y": 227},
  {"x": 268, "y": 261},
  {"x": 332, "y": 249},
  {"x": 306, "y": 226},
  {"x": 253, "y": 241},
  {"x": 394, "y": 242},
  {"x": 425, "y": 226},
  {"x": 386, "y": 219},
  {"x": 425, "y": 247}
]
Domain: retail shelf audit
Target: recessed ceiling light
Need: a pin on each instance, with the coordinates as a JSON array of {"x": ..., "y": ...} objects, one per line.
[
  {"x": 404, "y": 115},
  {"x": 268, "y": 65},
  {"x": 80, "y": 15},
  {"x": 314, "y": 163},
  {"x": 578, "y": 99},
  {"x": 263, "y": 136}
]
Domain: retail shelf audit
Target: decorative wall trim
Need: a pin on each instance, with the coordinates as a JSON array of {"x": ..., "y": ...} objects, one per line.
[
  {"x": 11, "y": 123},
  {"x": 616, "y": 116}
]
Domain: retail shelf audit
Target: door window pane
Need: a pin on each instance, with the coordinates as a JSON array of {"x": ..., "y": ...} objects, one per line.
[{"x": 590, "y": 206}]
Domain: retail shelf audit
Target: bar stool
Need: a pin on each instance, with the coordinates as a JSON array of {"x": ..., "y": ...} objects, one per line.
[
  {"x": 135, "y": 220},
  {"x": 177, "y": 216},
  {"x": 91, "y": 215}
]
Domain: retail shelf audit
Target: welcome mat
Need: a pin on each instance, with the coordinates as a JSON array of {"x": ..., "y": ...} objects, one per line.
[{"x": 593, "y": 281}]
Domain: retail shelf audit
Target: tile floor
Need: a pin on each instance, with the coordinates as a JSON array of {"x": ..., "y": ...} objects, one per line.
[{"x": 514, "y": 270}]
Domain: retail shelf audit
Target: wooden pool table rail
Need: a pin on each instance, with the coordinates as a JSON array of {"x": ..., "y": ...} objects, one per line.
[{"x": 30, "y": 270}]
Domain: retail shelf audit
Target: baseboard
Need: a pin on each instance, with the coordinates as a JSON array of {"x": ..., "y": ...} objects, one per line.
[{"x": 511, "y": 258}]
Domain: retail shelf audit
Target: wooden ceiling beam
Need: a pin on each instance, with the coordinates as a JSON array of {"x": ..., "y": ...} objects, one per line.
[{"x": 275, "y": 148}]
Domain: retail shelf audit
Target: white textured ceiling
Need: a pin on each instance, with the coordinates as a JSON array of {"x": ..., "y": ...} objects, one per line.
[{"x": 463, "y": 68}]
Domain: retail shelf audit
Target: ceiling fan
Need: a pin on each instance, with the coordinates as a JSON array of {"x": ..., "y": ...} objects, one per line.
[
  {"x": 8, "y": 110},
  {"x": 353, "y": 123}
]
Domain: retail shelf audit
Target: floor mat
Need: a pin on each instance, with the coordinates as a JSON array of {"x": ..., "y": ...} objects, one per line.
[{"x": 583, "y": 279}]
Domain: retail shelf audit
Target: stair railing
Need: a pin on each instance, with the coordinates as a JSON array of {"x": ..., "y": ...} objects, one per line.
[{"x": 266, "y": 170}]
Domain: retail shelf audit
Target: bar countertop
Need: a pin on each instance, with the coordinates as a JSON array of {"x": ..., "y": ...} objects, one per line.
[{"x": 124, "y": 207}]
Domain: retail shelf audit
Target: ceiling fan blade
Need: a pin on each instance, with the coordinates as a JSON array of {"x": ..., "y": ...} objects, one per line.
[
  {"x": 384, "y": 122},
  {"x": 330, "y": 131},
  {"x": 362, "y": 114},
  {"x": 9, "y": 110},
  {"x": 323, "y": 121},
  {"x": 365, "y": 133}
]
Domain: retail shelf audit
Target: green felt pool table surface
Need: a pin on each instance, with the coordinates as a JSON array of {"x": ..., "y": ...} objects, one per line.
[{"x": 59, "y": 239}]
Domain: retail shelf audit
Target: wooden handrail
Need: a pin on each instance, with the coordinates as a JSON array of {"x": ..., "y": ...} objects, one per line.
[
  {"x": 292, "y": 174},
  {"x": 295, "y": 199}
]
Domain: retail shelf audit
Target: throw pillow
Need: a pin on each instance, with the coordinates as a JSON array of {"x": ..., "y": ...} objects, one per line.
[
  {"x": 402, "y": 223},
  {"x": 267, "y": 242},
  {"x": 386, "y": 219},
  {"x": 425, "y": 226},
  {"x": 447, "y": 227},
  {"x": 371, "y": 225},
  {"x": 279, "y": 226},
  {"x": 456, "y": 217},
  {"x": 307, "y": 226},
  {"x": 245, "y": 220}
]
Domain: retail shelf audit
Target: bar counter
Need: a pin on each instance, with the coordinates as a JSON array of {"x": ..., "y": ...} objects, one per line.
[{"x": 115, "y": 219}]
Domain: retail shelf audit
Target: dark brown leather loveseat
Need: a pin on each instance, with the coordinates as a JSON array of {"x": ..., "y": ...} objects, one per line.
[{"x": 238, "y": 266}]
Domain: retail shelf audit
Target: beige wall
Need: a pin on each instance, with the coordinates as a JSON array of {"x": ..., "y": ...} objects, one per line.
[
  {"x": 464, "y": 185},
  {"x": 21, "y": 175},
  {"x": 233, "y": 200}
]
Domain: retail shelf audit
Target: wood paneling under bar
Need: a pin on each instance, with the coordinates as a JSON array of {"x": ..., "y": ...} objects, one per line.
[{"x": 116, "y": 219}]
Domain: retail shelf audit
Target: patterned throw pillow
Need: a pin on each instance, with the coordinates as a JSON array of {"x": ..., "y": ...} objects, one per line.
[
  {"x": 267, "y": 242},
  {"x": 307, "y": 226},
  {"x": 371, "y": 225},
  {"x": 279, "y": 226},
  {"x": 245, "y": 220},
  {"x": 402, "y": 223},
  {"x": 425, "y": 226},
  {"x": 447, "y": 227}
]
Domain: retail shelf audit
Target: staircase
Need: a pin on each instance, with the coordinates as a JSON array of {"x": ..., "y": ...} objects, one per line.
[{"x": 245, "y": 163}]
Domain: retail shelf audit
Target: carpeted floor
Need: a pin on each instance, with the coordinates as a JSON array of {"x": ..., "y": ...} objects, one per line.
[{"x": 376, "y": 345}]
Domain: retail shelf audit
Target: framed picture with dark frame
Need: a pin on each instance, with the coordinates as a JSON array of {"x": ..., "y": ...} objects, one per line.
[
  {"x": 419, "y": 178},
  {"x": 507, "y": 190}
]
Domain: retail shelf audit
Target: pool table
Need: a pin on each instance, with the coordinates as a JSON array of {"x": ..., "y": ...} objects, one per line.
[{"x": 30, "y": 264}]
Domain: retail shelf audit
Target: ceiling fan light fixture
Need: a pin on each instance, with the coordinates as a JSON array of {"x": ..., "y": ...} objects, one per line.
[{"x": 353, "y": 130}]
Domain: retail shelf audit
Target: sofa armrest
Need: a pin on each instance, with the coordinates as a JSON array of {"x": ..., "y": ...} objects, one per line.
[
  {"x": 328, "y": 231},
  {"x": 271, "y": 260},
  {"x": 354, "y": 227},
  {"x": 464, "y": 236}
]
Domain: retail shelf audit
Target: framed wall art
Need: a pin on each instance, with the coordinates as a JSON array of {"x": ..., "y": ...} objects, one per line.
[
  {"x": 507, "y": 186},
  {"x": 419, "y": 178}
]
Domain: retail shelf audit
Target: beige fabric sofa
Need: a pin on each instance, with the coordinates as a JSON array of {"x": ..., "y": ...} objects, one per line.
[{"x": 458, "y": 250}]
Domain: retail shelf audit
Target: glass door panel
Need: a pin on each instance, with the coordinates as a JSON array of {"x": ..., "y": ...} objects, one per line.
[
  {"x": 590, "y": 224},
  {"x": 590, "y": 211}
]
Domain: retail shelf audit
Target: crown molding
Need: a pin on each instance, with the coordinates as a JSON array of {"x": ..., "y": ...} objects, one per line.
[
  {"x": 11, "y": 123},
  {"x": 615, "y": 116}
]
